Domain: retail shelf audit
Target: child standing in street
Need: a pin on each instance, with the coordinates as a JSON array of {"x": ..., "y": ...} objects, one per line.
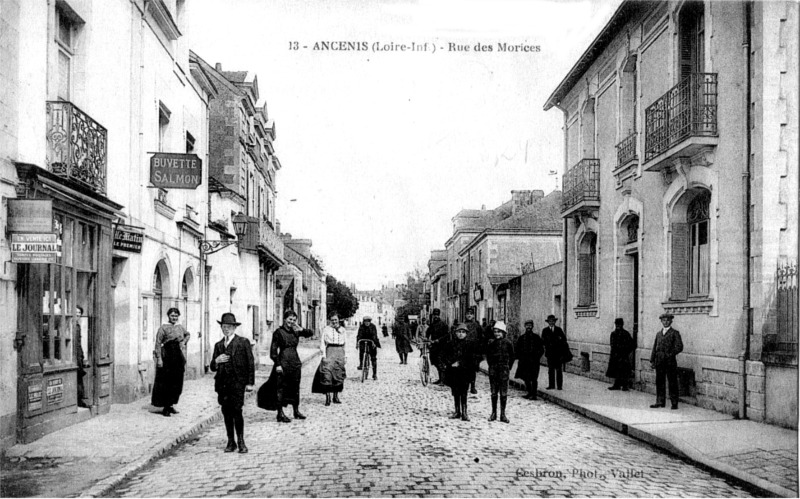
[{"x": 499, "y": 356}]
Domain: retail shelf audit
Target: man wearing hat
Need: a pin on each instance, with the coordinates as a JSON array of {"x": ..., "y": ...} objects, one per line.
[
  {"x": 666, "y": 347},
  {"x": 499, "y": 356},
  {"x": 475, "y": 335},
  {"x": 529, "y": 349},
  {"x": 368, "y": 331},
  {"x": 439, "y": 336},
  {"x": 556, "y": 352},
  {"x": 619, "y": 360},
  {"x": 233, "y": 362}
]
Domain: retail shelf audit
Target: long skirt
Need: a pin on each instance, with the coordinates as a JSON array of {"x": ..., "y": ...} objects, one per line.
[
  {"x": 281, "y": 389},
  {"x": 330, "y": 374},
  {"x": 168, "y": 384}
]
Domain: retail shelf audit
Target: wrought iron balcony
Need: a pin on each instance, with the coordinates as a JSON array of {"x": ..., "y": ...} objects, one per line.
[
  {"x": 76, "y": 145},
  {"x": 270, "y": 244},
  {"x": 626, "y": 150},
  {"x": 262, "y": 238},
  {"x": 687, "y": 111},
  {"x": 581, "y": 187}
]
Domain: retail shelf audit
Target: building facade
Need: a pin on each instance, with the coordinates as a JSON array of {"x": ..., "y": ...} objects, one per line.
[{"x": 680, "y": 195}]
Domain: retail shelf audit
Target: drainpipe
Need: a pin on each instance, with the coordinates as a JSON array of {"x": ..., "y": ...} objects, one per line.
[
  {"x": 564, "y": 249},
  {"x": 747, "y": 312}
]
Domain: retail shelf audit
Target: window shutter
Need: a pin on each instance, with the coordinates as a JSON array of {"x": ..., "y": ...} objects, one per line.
[
  {"x": 680, "y": 261},
  {"x": 584, "y": 280}
]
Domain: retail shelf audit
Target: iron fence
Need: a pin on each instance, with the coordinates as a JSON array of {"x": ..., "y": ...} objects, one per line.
[{"x": 76, "y": 145}]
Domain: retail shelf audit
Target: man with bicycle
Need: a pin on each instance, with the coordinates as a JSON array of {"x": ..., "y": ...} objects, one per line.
[
  {"x": 368, "y": 331},
  {"x": 439, "y": 336}
]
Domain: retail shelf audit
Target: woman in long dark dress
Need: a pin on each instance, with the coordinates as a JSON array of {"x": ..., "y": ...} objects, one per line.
[
  {"x": 170, "y": 357},
  {"x": 286, "y": 369},
  {"x": 330, "y": 375}
]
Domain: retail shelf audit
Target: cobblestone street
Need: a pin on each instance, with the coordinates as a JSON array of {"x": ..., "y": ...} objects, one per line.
[{"x": 391, "y": 437}]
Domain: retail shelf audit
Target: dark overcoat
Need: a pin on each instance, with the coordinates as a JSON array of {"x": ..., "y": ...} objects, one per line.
[
  {"x": 529, "y": 351},
  {"x": 555, "y": 345},
  {"x": 619, "y": 361},
  {"x": 665, "y": 348},
  {"x": 464, "y": 352},
  {"x": 402, "y": 340},
  {"x": 233, "y": 376},
  {"x": 439, "y": 333}
]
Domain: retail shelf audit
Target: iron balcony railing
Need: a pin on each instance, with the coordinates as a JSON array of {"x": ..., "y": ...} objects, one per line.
[
  {"x": 626, "y": 150},
  {"x": 689, "y": 109},
  {"x": 581, "y": 184},
  {"x": 76, "y": 145},
  {"x": 269, "y": 239}
]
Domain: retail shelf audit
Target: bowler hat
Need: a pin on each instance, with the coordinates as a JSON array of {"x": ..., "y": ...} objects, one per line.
[
  {"x": 551, "y": 317},
  {"x": 436, "y": 311},
  {"x": 666, "y": 316},
  {"x": 619, "y": 322},
  {"x": 500, "y": 325},
  {"x": 228, "y": 318}
]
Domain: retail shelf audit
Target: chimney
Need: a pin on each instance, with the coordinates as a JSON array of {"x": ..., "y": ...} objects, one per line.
[
  {"x": 218, "y": 66},
  {"x": 483, "y": 207}
]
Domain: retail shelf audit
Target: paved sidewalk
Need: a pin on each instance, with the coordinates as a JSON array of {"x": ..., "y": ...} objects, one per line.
[
  {"x": 762, "y": 455},
  {"x": 89, "y": 458}
]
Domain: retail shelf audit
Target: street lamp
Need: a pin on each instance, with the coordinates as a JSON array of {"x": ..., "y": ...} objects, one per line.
[{"x": 239, "y": 226}]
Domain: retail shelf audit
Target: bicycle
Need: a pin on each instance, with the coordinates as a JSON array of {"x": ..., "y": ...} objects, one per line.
[
  {"x": 369, "y": 345},
  {"x": 425, "y": 361}
]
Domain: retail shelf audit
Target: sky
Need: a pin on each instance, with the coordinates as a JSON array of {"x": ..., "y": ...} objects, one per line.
[{"x": 381, "y": 148}]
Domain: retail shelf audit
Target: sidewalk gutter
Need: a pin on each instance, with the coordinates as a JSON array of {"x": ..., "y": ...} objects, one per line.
[
  {"x": 679, "y": 449},
  {"x": 106, "y": 485}
]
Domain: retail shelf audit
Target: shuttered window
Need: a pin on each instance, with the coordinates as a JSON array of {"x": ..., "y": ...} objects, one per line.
[
  {"x": 680, "y": 261},
  {"x": 587, "y": 265},
  {"x": 692, "y": 39},
  {"x": 691, "y": 259}
]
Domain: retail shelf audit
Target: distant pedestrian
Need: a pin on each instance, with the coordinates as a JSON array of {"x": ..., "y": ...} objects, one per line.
[
  {"x": 439, "y": 336},
  {"x": 385, "y": 331},
  {"x": 368, "y": 331},
  {"x": 283, "y": 386},
  {"x": 619, "y": 360},
  {"x": 422, "y": 332},
  {"x": 330, "y": 375},
  {"x": 475, "y": 335},
  {"x": 402, "y": 342},
  {"x": 556, "y": 350},
  {"x": 529, "y": 350},
  {"x": 666, "y": 347},
  {"x": 170, "y": 357},
  {"x": 499, "y": 356},
  {"x": 233, "y": 362},
  {"x": 460, "y": 355}
]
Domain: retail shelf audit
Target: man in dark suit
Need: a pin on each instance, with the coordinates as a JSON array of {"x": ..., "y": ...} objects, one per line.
[
  {"x": 667, "y": 346},
  {"x": 555, "y": 346},
  {"x": 235, "y": 368}
]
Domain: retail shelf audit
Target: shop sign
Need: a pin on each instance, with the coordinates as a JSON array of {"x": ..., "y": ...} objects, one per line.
[
  {"x": 30, "y": 215},
  {"x": 128, "y": 238},
  {"x": 175, "y": 171},
  {"x": 34, "y": 397},
  {"x": 34, "y": 248},
  {"x": 55, "y": 391}
]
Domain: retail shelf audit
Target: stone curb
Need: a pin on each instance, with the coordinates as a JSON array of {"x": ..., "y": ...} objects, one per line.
[
  {"x": 106, "y": 485},
  {"x": 685, "y": 452}
]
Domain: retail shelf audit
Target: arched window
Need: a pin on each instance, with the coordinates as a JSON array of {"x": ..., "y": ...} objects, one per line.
[
  {"x": 587, "y": 270},
  {"x": 699, "y": 262},
  {"x": 691, "y": 262}
]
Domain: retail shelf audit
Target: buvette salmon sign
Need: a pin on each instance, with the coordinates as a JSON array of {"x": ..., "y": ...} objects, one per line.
[{"x": 176, "y": 171}]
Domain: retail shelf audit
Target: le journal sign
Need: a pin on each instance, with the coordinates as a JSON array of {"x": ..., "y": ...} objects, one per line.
[{"x": 175, "y": 171}]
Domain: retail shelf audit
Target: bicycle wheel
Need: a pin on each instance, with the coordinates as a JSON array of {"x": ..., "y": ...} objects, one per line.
[
  {"x": 364, "y": 365},
  {"x": 424, "y": 370}
]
